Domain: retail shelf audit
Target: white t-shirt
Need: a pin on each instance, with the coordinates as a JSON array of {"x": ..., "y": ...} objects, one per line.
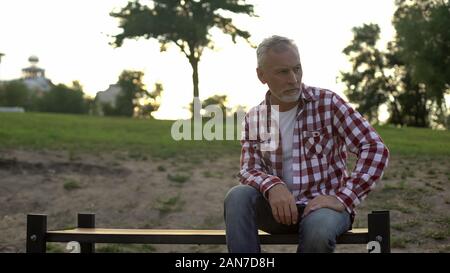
[{"x": 287, "y": 124}]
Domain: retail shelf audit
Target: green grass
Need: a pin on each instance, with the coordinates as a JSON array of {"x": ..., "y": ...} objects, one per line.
[
  {"x": 407, "y": 225},
  {"x": 437, "y": 235},
  {"x": 140, "y": 138},
  {"x": 415, "y": 141},
  {"x": 398, "y": 242},
  {"x": 169, "y": 205},
  {"x": 178, "y": 178},
  {"x": 55, "y": 248},
  {"x": 70, "y": 185},
  {"x": 102, "y": 134}
]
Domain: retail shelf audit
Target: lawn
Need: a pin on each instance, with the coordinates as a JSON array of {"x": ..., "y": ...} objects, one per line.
[{"x": 100, "y": 134}]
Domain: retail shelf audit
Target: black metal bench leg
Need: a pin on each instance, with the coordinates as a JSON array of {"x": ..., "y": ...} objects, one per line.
[
  {"x": 86, "y": 220},
  {"x": 36, "y": 231},
  {"x": 379, "y": 229}
]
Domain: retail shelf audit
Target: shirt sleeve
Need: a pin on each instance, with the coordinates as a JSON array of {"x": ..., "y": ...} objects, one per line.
[
  {"x": 361, "y": 139},
  {"x": 253, "y": 171}
]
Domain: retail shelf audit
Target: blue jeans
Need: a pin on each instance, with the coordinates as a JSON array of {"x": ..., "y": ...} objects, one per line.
[{"x": 246, "y": 211}]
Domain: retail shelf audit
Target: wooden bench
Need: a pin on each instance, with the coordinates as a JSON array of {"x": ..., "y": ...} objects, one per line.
[{"x": 88, "y": 235}]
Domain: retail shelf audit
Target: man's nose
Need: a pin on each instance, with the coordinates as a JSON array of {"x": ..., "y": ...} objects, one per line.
[{"x": 293, "y": 77}]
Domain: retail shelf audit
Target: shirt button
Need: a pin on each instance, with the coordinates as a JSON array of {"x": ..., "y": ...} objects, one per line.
[{"x": 318, "y": 148}]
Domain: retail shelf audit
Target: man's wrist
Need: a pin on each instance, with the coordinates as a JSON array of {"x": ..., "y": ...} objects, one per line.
[
  {"x": 340, "y": 202},
  {"x": 274, "y": 186}
]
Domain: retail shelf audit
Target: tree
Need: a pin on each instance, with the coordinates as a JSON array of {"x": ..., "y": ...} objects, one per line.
[
  {"x": 185, "y": 23},
  {"x": 379, "y": 77},
  {"x": 219, "y": 100},
  {"x": 134, "y": 99},
  {"x": 423, "y": 44},
  {"x": 64, "y": 99},
  {"x": 152, "y": 102},
  {"x": 367, "y": 83},
  {"x": 132, "y": 89},
  {"x": 413, "y": 76},
  {"x": 408, "y": 100},
  {"x": 14, "y": 93}
]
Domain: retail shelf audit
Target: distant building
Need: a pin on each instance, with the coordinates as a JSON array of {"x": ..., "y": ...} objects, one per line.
[
  {"x": 4, "y": 109},
  {"x": 107, "y": 97},
  {"x": 34, "y": 77}
]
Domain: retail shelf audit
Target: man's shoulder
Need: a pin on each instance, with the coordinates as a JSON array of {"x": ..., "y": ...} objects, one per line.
[{"x": 318, "y": 93}]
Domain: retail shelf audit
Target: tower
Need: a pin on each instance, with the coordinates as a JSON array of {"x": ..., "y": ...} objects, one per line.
[{"x": 34, "y": 76}]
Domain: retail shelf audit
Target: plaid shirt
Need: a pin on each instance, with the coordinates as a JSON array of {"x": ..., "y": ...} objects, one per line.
[{"x": 326, "y": 126}]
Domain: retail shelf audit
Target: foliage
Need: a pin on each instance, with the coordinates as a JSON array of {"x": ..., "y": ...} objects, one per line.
[
  {"x": 132, "y": 89},
  {"x": 133, "y": 98},
  {"x": 423, "y": 41},
  {"x": 152, "y": 102},
  {"x": 219, "y": 100},
  {"x": 15, "y": 94},
  {"x": 367, "y": 83},
  {"x": 63, "y": 99},
  {"x": 413, "y": 75}
]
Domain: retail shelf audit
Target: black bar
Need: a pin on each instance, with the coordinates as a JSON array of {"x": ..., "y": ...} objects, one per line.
[
  {"x": 36, "y": 232},
  {"x": 379, "y": 229},
  {"x": 86, "y": 220}
]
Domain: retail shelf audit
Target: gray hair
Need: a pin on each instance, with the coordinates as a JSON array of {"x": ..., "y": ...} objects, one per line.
[{"x": 275, "y": 42}]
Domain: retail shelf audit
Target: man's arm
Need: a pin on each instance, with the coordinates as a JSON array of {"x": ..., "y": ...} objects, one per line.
[
  {"x": 361, "y": 139},
  {"x": 273, "y": 189},
  {"x": 252, "y": 171}
]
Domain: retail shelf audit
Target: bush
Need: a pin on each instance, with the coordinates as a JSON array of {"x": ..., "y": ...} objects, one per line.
[{"x": 63, "y": 99}]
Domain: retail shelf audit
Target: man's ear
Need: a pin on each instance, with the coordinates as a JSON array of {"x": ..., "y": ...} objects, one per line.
[{"x": 260, "y": 74}]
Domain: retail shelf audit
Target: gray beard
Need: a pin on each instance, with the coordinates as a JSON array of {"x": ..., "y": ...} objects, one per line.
[{"x": 292, "y": 98}]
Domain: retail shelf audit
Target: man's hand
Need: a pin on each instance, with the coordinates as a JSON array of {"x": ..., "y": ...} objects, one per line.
[
  {"x": 283, "y": 205},
  {"x": 323, "y": 201}
]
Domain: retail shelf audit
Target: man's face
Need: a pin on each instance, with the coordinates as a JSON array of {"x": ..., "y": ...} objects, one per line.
[{"x": 282, "y": 72}]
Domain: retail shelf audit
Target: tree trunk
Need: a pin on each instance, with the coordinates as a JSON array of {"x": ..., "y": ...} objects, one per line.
[
  {"x": 396, "y": 116},
  {"x": 196, "y": 110}
]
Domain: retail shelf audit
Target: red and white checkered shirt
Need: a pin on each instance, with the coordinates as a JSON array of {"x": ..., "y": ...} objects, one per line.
[{"x": 326, "y": 126}]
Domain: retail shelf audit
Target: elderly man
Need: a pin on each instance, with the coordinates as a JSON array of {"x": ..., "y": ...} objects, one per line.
[{"x": 301, "y": 184}]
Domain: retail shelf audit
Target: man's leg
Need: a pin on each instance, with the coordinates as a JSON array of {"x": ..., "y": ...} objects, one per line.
[
  {"x": 246, "y": 211},
  {"x": 319, "y": 229}
]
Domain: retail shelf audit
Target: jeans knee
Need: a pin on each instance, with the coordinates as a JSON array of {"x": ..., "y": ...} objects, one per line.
[
  {"x": 240, "y": 195},
  {"x": 318, "y": 240},
  {"x": 318, "y": 230}
]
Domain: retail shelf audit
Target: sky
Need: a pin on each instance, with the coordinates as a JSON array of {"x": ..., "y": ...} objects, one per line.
[{"x": 72, "y": 39}]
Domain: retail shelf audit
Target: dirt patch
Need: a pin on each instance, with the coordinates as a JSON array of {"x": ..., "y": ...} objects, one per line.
[
  {"x": 19, "y": 167},
  {"x": 125, "y": 191}
]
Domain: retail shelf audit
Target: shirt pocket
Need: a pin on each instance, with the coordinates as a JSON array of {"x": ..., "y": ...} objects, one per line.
[{"x": 317, "y": 143}]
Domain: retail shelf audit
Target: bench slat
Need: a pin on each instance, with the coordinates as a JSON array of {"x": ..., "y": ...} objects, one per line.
[{"x": 180, "y": 236}]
